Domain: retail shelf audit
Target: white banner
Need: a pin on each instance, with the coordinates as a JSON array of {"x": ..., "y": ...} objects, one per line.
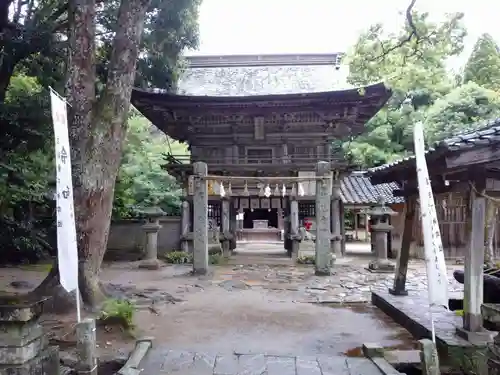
[
  {"x": 437, "y": 279},
  {"x": 66, "y": 231}
]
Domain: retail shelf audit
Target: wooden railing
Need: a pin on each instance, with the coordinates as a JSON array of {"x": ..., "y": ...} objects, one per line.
[{"x": 290, "y": 159}]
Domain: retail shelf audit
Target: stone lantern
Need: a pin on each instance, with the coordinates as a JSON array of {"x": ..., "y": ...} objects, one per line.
[
  {"x": 151, "y": 229},
  {"x": 379, "y": 230}
]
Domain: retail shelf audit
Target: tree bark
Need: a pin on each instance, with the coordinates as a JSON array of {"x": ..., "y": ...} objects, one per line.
[{"x": 98, "y": 128}]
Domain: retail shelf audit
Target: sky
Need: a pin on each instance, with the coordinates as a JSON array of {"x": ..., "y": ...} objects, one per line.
[{"x": 321, "y": 26}]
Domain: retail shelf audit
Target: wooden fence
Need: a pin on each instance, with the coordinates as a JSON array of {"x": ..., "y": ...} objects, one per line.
[{"x": 452, "y": 216}]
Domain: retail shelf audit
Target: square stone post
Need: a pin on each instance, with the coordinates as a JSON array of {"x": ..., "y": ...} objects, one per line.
[
  {"x": 472, "y": 329},
  {"x": 185, "y": 225},
  {"x": 226, "y": 223},
  {"x": 86, "y": 345},
  {"x": 200, "y": 219},
  {"x": 323, "y": 235},
  {"x": 399, "y": 287},
  {"x": 336, "y": 226},
  {"x": 23, "y": 345}
]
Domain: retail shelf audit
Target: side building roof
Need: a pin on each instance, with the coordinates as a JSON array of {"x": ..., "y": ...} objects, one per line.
[
  {"x": 357, "y": 189},
  {"x": 482, "y": 137}
]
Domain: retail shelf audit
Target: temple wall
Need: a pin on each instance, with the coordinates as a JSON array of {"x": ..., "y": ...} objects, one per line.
[{"x": 128, "y": 236}]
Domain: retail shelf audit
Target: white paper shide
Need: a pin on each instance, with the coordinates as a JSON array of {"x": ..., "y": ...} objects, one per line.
[
  {"x": 66, "y": 231},
  {"x": 437, "y": 280}
]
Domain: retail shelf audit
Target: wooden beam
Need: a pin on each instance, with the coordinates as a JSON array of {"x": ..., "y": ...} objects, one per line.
[{"x": 475, "y": 156}]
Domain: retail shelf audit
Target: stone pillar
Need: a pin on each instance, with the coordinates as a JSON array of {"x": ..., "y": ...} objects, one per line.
[
  {"x": 225, "y": 224},
  {"x": 379, "y": 231},
  {"x": 472, "y": 329},
  {"x": 429, "y": 359},
  {"x": 336, "y": 227},
  {"x": 323, "y": 233},
  {"x": 185, "y": 225},
  {"x": 86, "y": 347},
  {"x": 151, "y": 230},
  {"x": 399, "y": 287},
  {"x": 294, "y": 235},
  {"x": 200, "y": 219},
  {"x": 23, "y": 346}
]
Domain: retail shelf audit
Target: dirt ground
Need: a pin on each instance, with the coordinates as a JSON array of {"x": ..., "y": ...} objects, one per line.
[{"x": 244, "y": 309}]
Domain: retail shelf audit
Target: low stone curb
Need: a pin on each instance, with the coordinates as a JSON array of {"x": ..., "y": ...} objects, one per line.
[{"x": 142, "y": 347}]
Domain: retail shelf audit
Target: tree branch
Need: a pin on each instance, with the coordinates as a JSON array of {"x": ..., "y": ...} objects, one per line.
[{"x": 413, "y": 33}]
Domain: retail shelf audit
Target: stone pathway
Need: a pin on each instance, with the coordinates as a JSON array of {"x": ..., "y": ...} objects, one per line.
[{"x": 189, "y": 363}]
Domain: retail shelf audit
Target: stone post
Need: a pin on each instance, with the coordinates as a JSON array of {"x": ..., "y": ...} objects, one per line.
[
  {"x": 200, "y": 219},
  {"x": 226, "y": 226},
  {"x": 185, "y": 225},
  {"x": 86, "y": 347},
  {"x": 336, "y": 227},
  {"x": 323, "y": 235},
  {"x": 429, "y": 357},
  {"x": 24, "y": 348},
  {"x": 151, "y": 229},
  {"x": 379, "y": 230},
  {"x": 472, "y": 329},
  {"x": 294, "y": 235}
]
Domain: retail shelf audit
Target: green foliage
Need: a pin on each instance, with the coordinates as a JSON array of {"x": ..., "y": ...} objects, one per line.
[
  {"x": 170, "y": 27},
  {"x": 306, "y": 259},
  {"x": 423, "y": 89},
  {"x": 118, "y": 311},
  {"x": 466, "y": 107},
  {"x": 142, "y": 182},
  {"x": 181, "y": 257},
  {"x": 178, "y": 257},
  {"x": 25, "y": 170},
  {"x": 483, "y": 66}
]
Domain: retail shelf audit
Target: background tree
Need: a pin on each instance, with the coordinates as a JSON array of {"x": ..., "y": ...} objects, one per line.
[
  {"x": 106, "y": 44},
  {"x": 141, "y": 181},
  {"x": 483, "y": 66},
  {"x": 466, "y": 107},
  {"x": 416, "y": 72}
]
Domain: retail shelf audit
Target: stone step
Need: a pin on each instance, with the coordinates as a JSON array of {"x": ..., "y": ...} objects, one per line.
[{"x": 160, "y": 362}]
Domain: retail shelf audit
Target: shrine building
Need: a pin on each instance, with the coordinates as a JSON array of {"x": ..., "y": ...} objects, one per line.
[{"x": 261, "y": 135}]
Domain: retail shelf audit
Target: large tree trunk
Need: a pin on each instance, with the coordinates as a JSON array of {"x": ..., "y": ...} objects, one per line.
[{"x": 97, "y": 130}]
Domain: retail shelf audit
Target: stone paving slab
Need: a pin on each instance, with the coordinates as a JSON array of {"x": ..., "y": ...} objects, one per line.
[
  {"x": 159, "y": 362},
  {"x": 412, "y": 312}
]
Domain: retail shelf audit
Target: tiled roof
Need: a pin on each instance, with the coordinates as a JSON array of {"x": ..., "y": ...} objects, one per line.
[
  {"x": 484, "y": 136},
  {"x": 357, "y": 189}
]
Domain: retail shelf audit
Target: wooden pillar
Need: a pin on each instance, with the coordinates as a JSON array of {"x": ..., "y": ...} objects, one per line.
[
  {"x": 185, "y": 225},
  {"x": 200, "y": 219},
  {"x": 342, "y": 229},
  {"x": 323, "y": 220},
  {"x": 225, "y": 224},
  {"x": 356, "y": 237},
  {"x": 294, "y": 227},
  {"x": 367, "y": 223},
  {"x": 335, "y": 218},
  {"x": 399, "y": 287},
  {"x": 232, "y": 225}
]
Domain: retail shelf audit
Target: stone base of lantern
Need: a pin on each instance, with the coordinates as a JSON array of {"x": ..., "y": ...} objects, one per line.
[
  {"x": 45, "y": 363},
  {"x": 381, "y": 266},
  {"x": 150, "y": 264}
]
